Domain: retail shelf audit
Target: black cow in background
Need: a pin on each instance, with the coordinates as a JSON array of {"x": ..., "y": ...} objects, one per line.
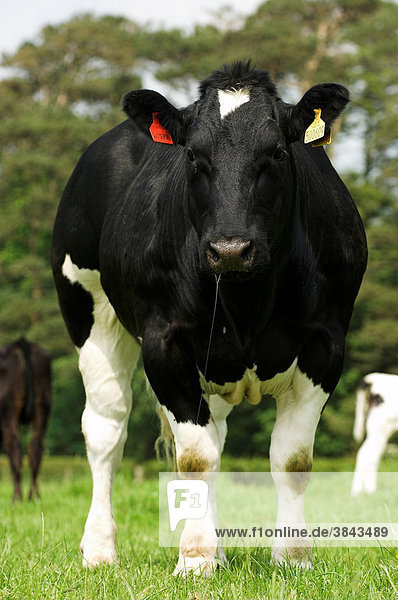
[
  {"x": 157, "y": 213},
  {"x": 25, "y": 398}
]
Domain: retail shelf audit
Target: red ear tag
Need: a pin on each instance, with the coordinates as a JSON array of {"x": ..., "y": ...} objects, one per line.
[{"x": 158, "y": 132}]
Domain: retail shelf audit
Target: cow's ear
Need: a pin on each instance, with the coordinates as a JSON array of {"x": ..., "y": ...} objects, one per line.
[
  {"x": 153, "y": 113},
  {"x": 331, "y": 98}
]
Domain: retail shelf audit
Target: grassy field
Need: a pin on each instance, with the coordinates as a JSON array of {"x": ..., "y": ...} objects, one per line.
[{"x": 40, "y": 559}]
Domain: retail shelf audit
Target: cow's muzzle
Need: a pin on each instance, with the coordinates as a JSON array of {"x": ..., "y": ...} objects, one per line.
[{"x": 230, "y": 254}]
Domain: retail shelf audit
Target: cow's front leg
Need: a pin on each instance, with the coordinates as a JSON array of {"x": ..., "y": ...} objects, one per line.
[
  {"x": 298, "y": 412},
  {"x": 199, "y": 431},
  {"x": 198, "y": 455}
]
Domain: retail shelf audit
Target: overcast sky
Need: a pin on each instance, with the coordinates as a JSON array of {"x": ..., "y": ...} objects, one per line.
[{"x": 21, "y": 20}]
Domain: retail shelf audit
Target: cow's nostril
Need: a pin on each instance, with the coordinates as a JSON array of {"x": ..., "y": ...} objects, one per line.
[
  {"x": 247, "y": 253},
  {"x": 214, "y": 256}
]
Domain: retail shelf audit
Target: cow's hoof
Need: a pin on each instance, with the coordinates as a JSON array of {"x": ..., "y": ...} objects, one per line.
[
  {"x": 98, "y": 544},
  {"x": 98, "y": 550},
  {"x": 93, "y": 557},
  {"x": 301, "y": 556},
  {"x": 198, "y": 565}
]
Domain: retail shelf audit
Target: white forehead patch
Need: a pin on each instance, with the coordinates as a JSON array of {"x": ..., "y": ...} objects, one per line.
[{"x": 230, "y": 100}]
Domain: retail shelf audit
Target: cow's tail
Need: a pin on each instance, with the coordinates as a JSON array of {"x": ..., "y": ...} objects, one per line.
[
  {"x": 361, "y": 411},
  {"x": 164, "y": 445}
]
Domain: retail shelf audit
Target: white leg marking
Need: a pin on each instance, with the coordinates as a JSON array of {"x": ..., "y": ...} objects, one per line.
[
  {"x": 230, "y": 100},
  {"x": 198, "y": 449},
  {"x": 106, "y": 361},
  {"x": 298, "y": 412}
]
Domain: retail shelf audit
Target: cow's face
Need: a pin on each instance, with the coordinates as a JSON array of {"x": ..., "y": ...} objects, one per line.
[
  {"x": 237, "y": 151},
  {"x": 239, "y": 184}
]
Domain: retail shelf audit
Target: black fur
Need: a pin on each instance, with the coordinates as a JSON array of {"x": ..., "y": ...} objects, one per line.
[{"x": 238, "y": 75}]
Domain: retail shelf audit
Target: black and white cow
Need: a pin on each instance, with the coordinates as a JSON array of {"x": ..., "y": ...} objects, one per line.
[
  {"x": 377, "y": 412},
  {"x": 144, "y": 233}
]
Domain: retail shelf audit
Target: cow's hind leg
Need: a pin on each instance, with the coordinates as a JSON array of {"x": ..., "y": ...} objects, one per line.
[
  {"x": 13, "y": 448},
  {"x": 298, "y": 412},
  {"x": 106, "y": 360},
  {"x": 36, "y": 445},
  {"x": 378, "y": 432}
]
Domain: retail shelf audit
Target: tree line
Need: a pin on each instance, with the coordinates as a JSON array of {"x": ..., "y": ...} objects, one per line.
[{"x": 63, "y": 90}]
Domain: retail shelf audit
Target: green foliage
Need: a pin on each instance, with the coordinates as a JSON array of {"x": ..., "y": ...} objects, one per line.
[
  {"x": 373, "y": 69},
  {"x": 64, "y": 431},
  {"x": 64, "y": 90}
]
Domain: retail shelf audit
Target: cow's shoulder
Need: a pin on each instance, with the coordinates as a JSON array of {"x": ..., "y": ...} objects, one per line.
[{"x": 328, "y": 216}]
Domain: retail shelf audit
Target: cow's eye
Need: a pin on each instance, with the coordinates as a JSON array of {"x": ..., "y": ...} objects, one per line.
[
  {"x": 190, "y": 155},
  {"x": 280, "y": 154}
]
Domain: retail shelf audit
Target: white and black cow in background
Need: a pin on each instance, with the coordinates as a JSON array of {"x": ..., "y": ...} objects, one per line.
[
  {"x": 143, "y": 232},
  {"x": 377, "y": 411}
]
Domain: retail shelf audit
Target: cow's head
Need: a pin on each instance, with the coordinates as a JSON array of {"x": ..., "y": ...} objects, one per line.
[{"x": 237, "y": 140}]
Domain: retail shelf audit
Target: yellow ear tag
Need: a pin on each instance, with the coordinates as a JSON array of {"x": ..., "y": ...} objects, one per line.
[
  {"x": 316, "y": 130},
  {"x": 324, "y": 141}
]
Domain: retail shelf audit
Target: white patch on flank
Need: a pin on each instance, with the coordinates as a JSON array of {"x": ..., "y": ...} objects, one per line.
[
  {"x": 381, "y": 422},
  {"x": 106, "y": 361},
  {"x": 230, "y": 100}
]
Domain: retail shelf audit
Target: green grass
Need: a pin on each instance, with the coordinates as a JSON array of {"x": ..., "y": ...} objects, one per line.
[{"x": 40, "y": 559}]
